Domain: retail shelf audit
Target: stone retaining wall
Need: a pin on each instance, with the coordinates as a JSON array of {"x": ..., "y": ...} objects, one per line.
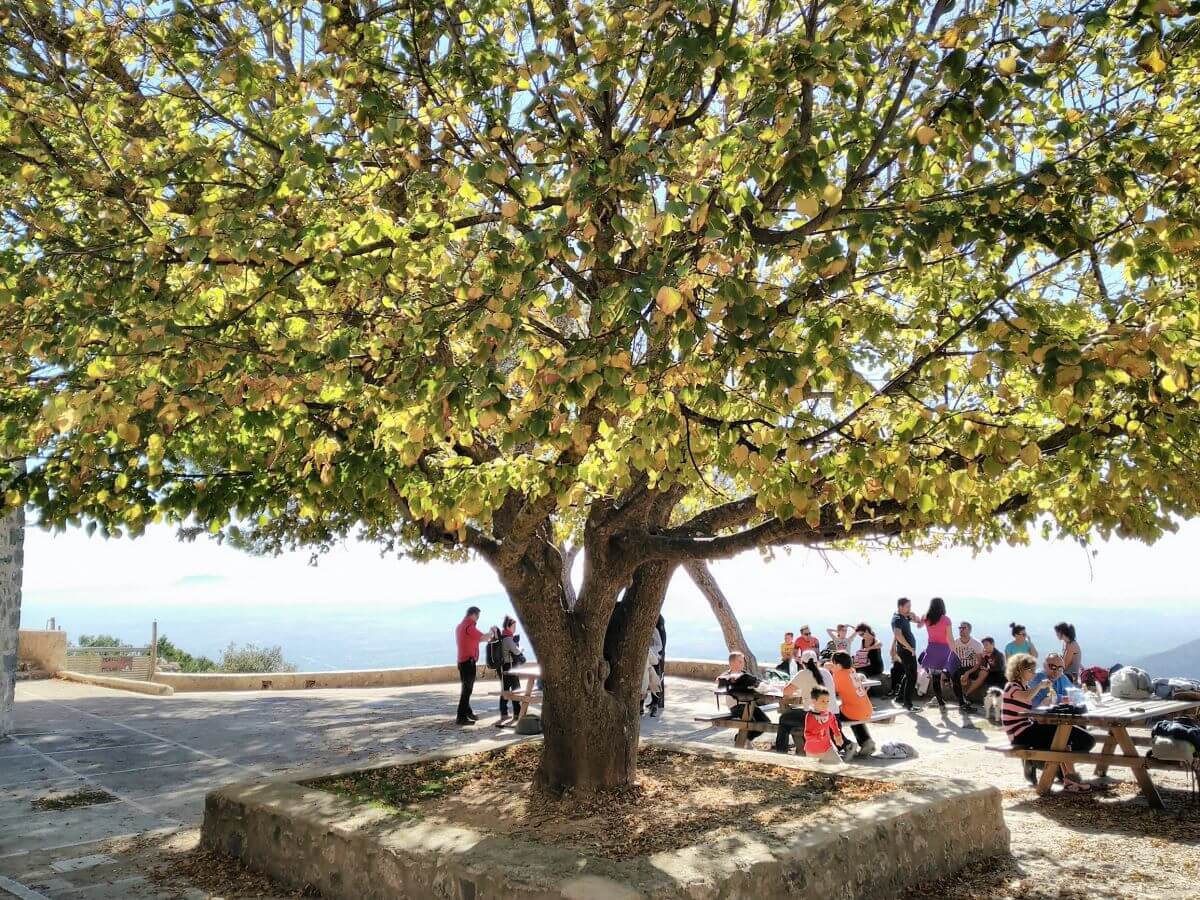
[
  {"x": 302, "y": 836},
  {"x": 368, "y": 678}
]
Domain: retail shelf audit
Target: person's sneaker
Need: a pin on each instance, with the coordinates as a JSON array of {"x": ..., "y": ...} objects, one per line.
[
  {"x": 867, "y": 748},
  {"x": 502, "y": 722},
  {"x": 654, "y": 712},
  {"x": 472, "y": 717},
  {"x": 849, "y": 751},
  {"x": 1030, "y": 769},
  {"x": 464, "y": 721}
]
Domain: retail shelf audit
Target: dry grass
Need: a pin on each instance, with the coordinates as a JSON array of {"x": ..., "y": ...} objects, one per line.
[{"x": 494, "y": 791}]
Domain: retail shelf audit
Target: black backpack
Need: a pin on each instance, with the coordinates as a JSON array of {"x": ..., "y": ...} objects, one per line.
[{"x": 494, "y": 655}]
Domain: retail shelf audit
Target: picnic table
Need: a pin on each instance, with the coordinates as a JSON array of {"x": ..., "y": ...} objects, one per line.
[
  {"x": 531, "y": 673},
  {"x": 1114, "y": 718},
  {"x": 768, "y": 698}
]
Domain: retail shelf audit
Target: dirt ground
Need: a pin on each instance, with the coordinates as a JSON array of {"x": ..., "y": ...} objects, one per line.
[{"x": 493, "y": 791}]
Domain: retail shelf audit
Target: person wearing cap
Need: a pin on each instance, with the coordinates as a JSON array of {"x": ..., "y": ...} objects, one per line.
[{"x": 809, "y": 676}]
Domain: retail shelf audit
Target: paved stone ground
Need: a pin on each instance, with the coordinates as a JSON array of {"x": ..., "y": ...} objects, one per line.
[{"x": 159, "y": 756}]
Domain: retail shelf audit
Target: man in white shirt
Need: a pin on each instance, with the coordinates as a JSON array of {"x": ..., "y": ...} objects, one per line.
[{"x": 968, "y": 650}]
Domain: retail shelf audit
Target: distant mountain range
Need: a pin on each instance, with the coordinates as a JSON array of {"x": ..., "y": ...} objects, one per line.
[{"x": 1183, "y": 660}]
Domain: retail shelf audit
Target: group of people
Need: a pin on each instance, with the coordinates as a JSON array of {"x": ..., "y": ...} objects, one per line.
[
  {"x": 952, "y": 656},
  {"x": 468, "y": 637},
  {"x": 830, "y": 695}
]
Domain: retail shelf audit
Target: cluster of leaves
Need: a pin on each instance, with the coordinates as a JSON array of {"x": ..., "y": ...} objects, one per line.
[
  {"x": 187, "y": 663},
  {"x": 100, "y": 640},
  {"x": 825, "y": 271}
]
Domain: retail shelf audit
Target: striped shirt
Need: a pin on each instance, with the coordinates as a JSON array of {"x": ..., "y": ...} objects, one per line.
[{"x": 1014, "y": 713}]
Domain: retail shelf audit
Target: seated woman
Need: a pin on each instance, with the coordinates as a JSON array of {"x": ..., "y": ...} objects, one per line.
[
  {"x": 856, "y": 709},
  {"x": 868, "y": 660},
  {"x": 810, "y": 677},
  {"x": 1023, "y": 732}
]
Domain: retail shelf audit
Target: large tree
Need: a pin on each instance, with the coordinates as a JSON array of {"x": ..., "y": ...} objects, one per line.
[{"x": 669, "y": 280}]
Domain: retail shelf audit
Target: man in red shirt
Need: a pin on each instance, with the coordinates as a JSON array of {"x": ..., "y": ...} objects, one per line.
[
  {"x": 468, "y": 638},
  {"x": 806, "y": 641}
]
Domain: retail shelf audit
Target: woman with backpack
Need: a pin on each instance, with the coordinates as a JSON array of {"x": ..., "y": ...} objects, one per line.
[{"x": 509, "y": 655}]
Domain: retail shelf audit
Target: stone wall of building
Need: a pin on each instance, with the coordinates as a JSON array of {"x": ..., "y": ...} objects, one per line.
[{"x": 12, "y": 543}]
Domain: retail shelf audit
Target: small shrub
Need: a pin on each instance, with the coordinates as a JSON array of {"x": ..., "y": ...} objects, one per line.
[
  {"x": 253, "y": 658},
  {"x": 100, "y": 640}
]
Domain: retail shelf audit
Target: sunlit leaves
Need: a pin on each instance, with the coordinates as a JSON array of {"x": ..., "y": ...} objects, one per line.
[{"x": 309, "y": 270}]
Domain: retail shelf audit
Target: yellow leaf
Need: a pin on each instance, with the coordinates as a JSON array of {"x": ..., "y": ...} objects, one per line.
[
  {"x": 669, "y": 300},
  {"x": 832, "y": 194},
  {"x": 293, "y": 256},
  {"x": 980, "y": 365},
  {"x": 808, "y": 206},
  {"x": 1008, "y": 65},
  {"x": 740, "y": 454},
  {"x": 1152, "y": 62},
  {"x": 949, "y": 39},
  {"x": 925, "y": 135},
  {"x": 1031, "y": 454},
  {"x": 834, "y": 268},
  {"x": 508, "y": 209}
]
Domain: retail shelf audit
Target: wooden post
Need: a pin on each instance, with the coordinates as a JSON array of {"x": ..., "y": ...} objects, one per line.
[{"x": 153, "y": 650}]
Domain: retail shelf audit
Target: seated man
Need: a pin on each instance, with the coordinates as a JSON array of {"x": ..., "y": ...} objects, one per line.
[
  {"x": 1055, "y": 680},
  {"x": 987, "y": 672},
  {"x": 739, "y": 685}
]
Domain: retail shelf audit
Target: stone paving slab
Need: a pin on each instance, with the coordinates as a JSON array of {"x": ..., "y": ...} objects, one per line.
[
  {"x": 77, "y": 826},
  {"x": 233, "y": 737}
]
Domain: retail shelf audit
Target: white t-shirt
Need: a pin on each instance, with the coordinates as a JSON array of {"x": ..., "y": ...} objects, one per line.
[
  {"x": 967, "y": 653},
  {"x": 804, "y": 682}
]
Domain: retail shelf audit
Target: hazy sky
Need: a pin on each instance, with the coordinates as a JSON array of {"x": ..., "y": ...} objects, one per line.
[{"x": 158, "y": 569}]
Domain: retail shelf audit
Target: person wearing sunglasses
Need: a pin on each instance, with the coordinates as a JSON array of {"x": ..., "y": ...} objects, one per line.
[
  {"x": 1052, "y": 679},
  {"x": 806, "y": 641}
]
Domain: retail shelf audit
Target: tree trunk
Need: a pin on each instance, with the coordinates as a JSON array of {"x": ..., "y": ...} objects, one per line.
[
  {"x": 734, "y": 638},
  {"x": 593, "y": 659},
  {"x": 12, "y": 541}
]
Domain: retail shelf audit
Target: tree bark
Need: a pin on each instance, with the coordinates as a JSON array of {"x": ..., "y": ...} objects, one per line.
[
  {"x": 734, "y": 638},
  {"x": 592, "y": 655},
  {"x": 12, "y": 543}
]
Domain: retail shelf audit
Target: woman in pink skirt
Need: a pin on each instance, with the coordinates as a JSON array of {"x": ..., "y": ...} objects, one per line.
[{"x": 939, "y": 657}]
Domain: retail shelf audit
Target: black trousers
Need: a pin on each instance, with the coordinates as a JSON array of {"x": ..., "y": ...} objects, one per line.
[
  {"x": 660, "y": 699},
  {"x": 861, "y": 735},
  {"x": 466, "y": 675},
  {"x": 790, "y": 720},
  {"x": 509, "y": 683},
  {"x": 1039, "y": 737},
  {"x": 908, "y": 678}
]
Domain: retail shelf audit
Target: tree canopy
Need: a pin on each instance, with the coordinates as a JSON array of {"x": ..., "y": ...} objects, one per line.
[{"x": 464, "y": 275}]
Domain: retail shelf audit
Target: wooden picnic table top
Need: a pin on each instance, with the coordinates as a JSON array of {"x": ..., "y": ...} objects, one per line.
[
  {"x": 1119, "y": 712},
  {"x": 532, "y": 670}
]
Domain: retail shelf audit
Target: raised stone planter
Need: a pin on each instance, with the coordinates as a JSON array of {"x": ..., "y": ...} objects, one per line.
[{"x": 302, "y": 836}]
